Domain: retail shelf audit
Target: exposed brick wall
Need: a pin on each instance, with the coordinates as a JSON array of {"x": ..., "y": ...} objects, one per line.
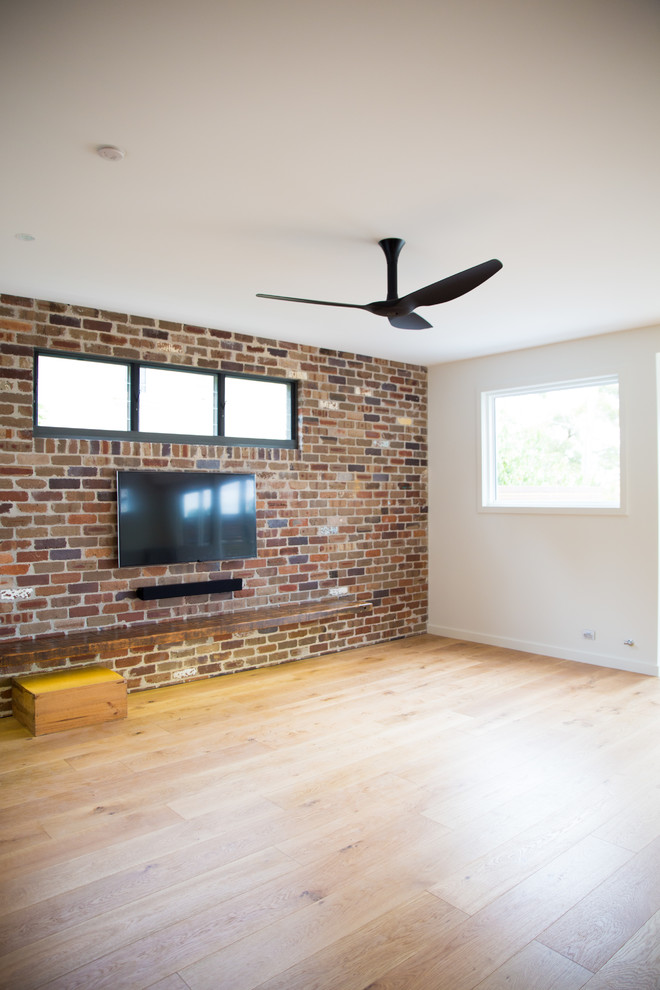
[{"x": 345, "y": 510}]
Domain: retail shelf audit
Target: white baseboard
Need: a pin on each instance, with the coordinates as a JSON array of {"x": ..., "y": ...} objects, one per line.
[{"x": 633, "y": 666}]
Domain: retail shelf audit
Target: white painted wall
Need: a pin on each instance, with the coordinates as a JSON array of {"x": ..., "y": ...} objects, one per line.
[{"x": 534, "y": 581}]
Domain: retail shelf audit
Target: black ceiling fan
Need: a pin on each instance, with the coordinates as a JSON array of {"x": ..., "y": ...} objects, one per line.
[{"x": 399, "y": 310}]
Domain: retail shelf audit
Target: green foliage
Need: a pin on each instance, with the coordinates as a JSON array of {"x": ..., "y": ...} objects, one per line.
[{"x": 565, "y": 438}]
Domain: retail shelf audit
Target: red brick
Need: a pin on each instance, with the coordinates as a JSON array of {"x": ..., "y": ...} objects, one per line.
[{"x": 358, "y": 469}]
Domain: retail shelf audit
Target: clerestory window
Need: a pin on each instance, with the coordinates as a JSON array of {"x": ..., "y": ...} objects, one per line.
[{"x": 82, "y": 396}]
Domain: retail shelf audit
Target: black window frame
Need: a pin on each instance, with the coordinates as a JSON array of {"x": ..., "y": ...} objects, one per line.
[{"x": 133, "y": 434}]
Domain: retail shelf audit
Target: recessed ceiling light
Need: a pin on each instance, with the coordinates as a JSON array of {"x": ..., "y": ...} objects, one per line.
[
  {"x": 24, "y": 237},
  {"x": 110, "y": 153}
]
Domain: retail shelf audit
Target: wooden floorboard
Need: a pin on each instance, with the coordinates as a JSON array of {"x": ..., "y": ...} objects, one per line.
[{"x": 423, "y": 814}]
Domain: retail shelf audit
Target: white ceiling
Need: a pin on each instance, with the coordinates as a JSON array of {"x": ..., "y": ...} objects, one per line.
[{"x": 271, "y": 143}]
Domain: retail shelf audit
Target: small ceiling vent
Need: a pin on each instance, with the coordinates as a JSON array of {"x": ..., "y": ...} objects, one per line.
[{"x": 110, "y": 153}]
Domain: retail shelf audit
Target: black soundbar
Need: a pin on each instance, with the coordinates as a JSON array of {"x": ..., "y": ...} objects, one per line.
[{"x": 192, "y": 588}]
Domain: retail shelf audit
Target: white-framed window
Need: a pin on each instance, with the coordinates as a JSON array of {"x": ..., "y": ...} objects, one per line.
[
  {"x": 553, "y": 446},
  {"x": 77, "y": 395}
]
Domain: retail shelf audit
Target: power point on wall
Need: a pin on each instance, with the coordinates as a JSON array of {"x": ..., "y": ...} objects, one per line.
[
  {"x": 16, "y": 594},
  {"x": 588, "y": 633}
]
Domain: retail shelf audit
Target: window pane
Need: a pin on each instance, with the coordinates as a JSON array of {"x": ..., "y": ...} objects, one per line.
[
  {"x": 257, "y": 409},
  {"x": 559, "y": 447},
  {"x": 177, "y": 402},
  {"x": 89, "y": 394}
]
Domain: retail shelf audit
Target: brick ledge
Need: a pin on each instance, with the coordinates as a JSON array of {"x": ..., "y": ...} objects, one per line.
[{"x": 17, "y": 655}]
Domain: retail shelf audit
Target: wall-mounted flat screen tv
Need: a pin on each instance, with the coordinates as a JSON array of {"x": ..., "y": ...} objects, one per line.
[{"x": 176, "y": 517}]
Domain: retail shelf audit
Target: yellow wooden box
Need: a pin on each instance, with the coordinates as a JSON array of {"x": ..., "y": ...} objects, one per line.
[{"x": 67, "y": 699}]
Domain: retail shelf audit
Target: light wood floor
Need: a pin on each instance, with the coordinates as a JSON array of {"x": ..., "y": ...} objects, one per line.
[{"x": 421, "y": 815}]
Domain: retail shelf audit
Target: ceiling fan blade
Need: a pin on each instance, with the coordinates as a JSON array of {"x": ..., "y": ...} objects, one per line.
[
  {"x": 314, "y": 302},
  {"x": 400, "y": 310},
  {"x": 413, "y": 321},
  {"x": 453, "y": 286}
]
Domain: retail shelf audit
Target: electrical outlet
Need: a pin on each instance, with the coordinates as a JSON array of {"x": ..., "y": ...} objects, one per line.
[
  {"x": 589, "y": 633},
  {"x": 181, "y": 675},
  {"x": 16, "y": 594}
]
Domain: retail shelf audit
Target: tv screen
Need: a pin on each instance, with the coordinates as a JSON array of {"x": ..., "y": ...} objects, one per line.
[{"x": 176, "y": 517}]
